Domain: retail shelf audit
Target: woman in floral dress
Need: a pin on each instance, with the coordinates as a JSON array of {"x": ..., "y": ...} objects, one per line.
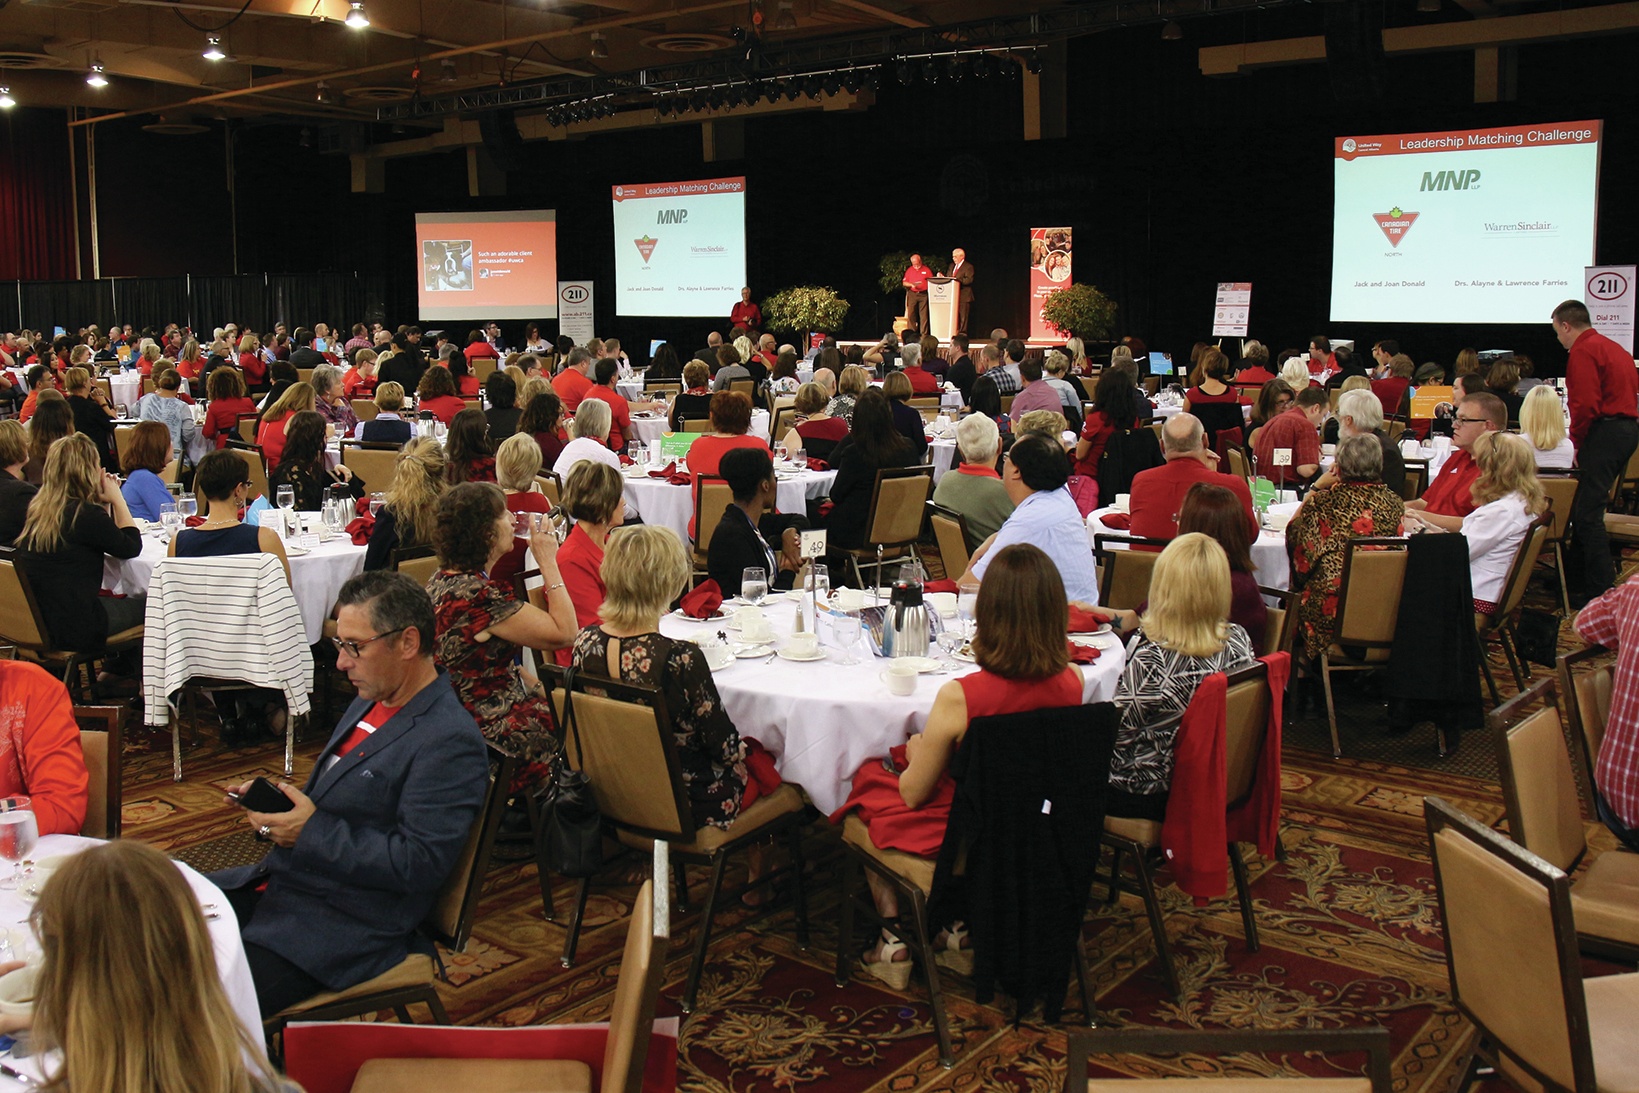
[{"x": 1359, "y": 506}]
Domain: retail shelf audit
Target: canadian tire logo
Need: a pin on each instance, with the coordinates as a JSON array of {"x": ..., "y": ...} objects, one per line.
[
  {"x": 645, "y": 246},
  {"x": 1395, "y": 224}
]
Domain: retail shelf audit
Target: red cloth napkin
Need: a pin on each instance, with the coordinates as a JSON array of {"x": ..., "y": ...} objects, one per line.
[
  {"x": 939, "y": 586},
  {"x": 1120, "y": 521},
  {"x": 818, "y": 464},
  {"x": 703, "y": 601},
  {"x": 1082, "y": 621},
  {"x": 1081, "y": 654},
  {"x": 360, "y": 529},
  {"x": 361, "y": 506},
  {"x": 665, "y": 472},
  {"x": 625, "y": 460},
  {"x": 194, "y": 521}
]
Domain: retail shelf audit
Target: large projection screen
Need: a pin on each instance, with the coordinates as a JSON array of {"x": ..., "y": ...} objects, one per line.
[
  {"x": 680, "y": 247},
  {"x": 487, "y": 265},
  {"x": 1467, "y": 226}
]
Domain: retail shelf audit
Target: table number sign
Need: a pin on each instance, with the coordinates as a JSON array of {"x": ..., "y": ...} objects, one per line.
[{"x": 812, "y": 544}]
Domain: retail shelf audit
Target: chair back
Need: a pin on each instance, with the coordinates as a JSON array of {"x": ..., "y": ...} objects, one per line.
[
  {"x": 1368, "y": 598},
  {"x": 1393, "y": 427},
  {"x": 418, "y": 563},
  {"x": 657, "y": 387},
  {"x": 107, "y": 386},
  {"x": 123, "y": 436},
  {"x": 694, "y": 425},
  {"x": 1538, "y": 786},
  {"x": 20, "y": 621},
  {"x": 1416, "y": 479},
  {"x": 482, "y": 367},
  {"x": 375, "y": 466},
  {"x": 1519, "y": 572},
  {"x": 171, "y": 472},
  {"x": 1561, "y": 491},
  {"x": 1246, "y": 724},
  {"x": 102, "y": 743},
  {"x": 255, "y": 468},
  {"x": 1238, "y": 464},
  {"x": 551, "y": 487},
  {"x": 1280, "y": 626},
  {"x": 711, "y": 496},
  {"x": 950, "y": 533},
  {"x": 927, "y": 402},
  {"x": 897, "y": 503},
  {"x": 748, "y": 388},
  {"x": 1588, "y": 704},
  {"x": 1007, "y": 403},
  {"x": 637, "y": 990},
  {"x": 1510, "y": 944},
  {"x": 365, "y": 409},
  {"x": 451, "y": 918},
  {"x": 305, "y": 375},
  {"x": 1124, "y": 580},
  {"x": 245, "y": 426},
  {"x": 783, "y": 417}
]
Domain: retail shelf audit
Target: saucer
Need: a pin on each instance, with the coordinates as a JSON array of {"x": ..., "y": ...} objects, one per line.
[
  {"x": 818, "y": 654},
  {"x": 749, "y": 652},
  {"x": 718, "y": 617},
  {"x": 921, "y": 664}
]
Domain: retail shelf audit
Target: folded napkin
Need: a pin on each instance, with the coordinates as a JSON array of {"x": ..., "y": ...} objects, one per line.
[
  {"x": 1083, "y": 621},
  {"x": 361, "y": 506},
  {"x": 939, "y": 586},
  {"x": 1081, "y": 654},
  {"x": 625, "y": 460},
  {"x": 665, "y": 472},
  {"x": 818, "y": 464},
  {"x": 194, "y": 521},
  {"x": 360, "y": 529},
  {"x": 1120, "y": 521},
  {"x": 703, "y": 601}
]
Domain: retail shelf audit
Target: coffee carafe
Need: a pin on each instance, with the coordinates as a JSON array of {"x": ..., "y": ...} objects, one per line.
[{"x": 905, "y": 629}]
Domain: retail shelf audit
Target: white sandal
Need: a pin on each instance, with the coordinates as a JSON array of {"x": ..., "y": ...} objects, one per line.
[
  {"x": 895, "y": 973},
  {"x": 953, "y": 955}
]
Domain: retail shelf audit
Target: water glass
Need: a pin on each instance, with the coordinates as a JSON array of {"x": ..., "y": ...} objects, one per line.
[
  {"x": 822, "y": 584},
  {"x": 779, "y": 453},
  {"x": 846, "y": 628},
  {"x": 799, "y": 459},
  {"x": 754, "y": 585},
  {"x": 376, "y": 501},
  {"x": 187, "y": 505},
  {"x": 19, "y": 832},
  {"x": 285, "y": 497},
  {"x": 967, "y": 603}
]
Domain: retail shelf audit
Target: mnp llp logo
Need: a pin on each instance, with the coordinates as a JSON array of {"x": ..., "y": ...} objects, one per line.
[{"x": 574, "y": 294}]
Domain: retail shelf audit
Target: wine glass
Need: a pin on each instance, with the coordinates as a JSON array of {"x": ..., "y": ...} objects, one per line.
[
  {"x": 799, "y": 459},
  {"x": 779, "y": 453},
  {"x": 754, "y": 585},
  {"x": 376, "y": 501},
  {"x": 285, "y": 498},
  {"x": 967, "y": 602},
  {"x": 171, "y": 519},
  {"x": 19, "y": 831},
  {"x": 847, "y": 628},
  {"x": 187, "y": 505},
  {"x": 822, "y": 584}
]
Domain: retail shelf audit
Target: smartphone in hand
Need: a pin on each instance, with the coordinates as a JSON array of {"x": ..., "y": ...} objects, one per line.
[{"x": 262, "y": 796}]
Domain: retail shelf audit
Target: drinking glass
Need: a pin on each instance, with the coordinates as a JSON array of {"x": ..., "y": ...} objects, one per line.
[
  {"x": 967, "y": 602},
  {"x": 754, "y": 585},
  {"x": 171, "y": 519},
  {"x": 187, "y": 505},
  {"x": 19, "y": 831},
  {"x": 376, "y": 501},
  {"x": 285, "y": 497},
  {"x": 779, "y": 453},
  {"x": 822, "y": 584},
  {"x": 950, "y": 640},
  {"x": 847, "y": 629},
  {"x": 799, "y": 459}
]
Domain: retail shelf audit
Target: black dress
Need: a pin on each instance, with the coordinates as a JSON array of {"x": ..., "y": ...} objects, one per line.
[
  {"x": 90, "y": 420},
  {"x": 15, "y": 494},
  {"x": 66, "y": 581}
]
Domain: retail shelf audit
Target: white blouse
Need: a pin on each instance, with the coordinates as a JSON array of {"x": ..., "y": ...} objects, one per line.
[
  {"x": 1561, "y": 458},
  {"x": 1495, "y": 531}
]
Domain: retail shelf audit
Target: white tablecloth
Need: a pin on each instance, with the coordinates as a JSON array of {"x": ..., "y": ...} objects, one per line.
[
  {"x": 127, "y": 387},
  {"x": 1270, "y": 564},
  {"x": 659, "y": 502},
  {"x": 198, "y": 447},
  {"x": 224, "y": 929},
  {"x": 315, "y": 578},
  {"x": 822, "y": 719},
  {"x": 631, "y": 390},
  {"x": 942, "y": 454},
  {"x": 647, "y": 430}
]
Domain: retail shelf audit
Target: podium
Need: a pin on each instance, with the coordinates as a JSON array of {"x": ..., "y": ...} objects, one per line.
[{"x": 943, "y": 295}]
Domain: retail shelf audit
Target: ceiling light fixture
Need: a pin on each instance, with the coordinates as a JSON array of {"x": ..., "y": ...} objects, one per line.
[
  {"x": 356, "y": 17},
  {"x": 6, "y": 101},
  {"x": 786, "y": 19},
  {"x": 323, "y": 94},
  {"x": 1172, "y": 32},
  {"x": 1033, "y": 63},
  {"x": 95, "y": 78},
  {"x": 600, "y": 46},
  {"x": 450, "y": 74},
  {"x": 213, "y": 49}
]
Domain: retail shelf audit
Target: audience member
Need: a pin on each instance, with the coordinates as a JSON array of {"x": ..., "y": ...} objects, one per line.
[
  {"x": 436, "y": 395},
  {"x": 1158, "y": 493},
  {"x": 1296, "y": 435},
  {"x": 146, "y": 454},
  {"x": 331, "y": 401},
  {"x": 591, "y": 440},
  {"x": 974, "y": 489},
  {"x": 750, "y": 533},
  {"x": 853, "y": 383},
  {"x": 228, "y": 403},
  {"x": 594, "y": 498},
  {"x": 389, "y": 425},
  {"x": 467, "y": 452},
  {"x": 906, "y": 418},
  {"x": 42, "y": 758},
  {"x": 270, "y": 434},
  {"x": 93, "y": 413},
  {"x": 53, "y": 419},
  {"x": 1359, "y": 413},
  {"x": 1045, "y": 515},
  {"x": 502, "y": 391},
  {"x": 304, "y": 467},
  {"x": 872, "y": 445},
  {"x": 1542, "y": 424},
  {"x": 15, "y": 491},
  {"x": 1612, "y": 620},
  {"x": 1450, "y": 497},
  {"x": 816, "y": 432},
  {"x": 221, "y": 480},
  {"x": 542, "y": 421},
  {"x": 517, "y": 462},
  {"x": 409, "y": 507}
]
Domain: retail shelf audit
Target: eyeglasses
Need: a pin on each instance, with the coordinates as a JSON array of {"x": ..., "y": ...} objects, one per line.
[
  {"x": 1469, "y": 420},
  {"x": 351, "y": 648}
]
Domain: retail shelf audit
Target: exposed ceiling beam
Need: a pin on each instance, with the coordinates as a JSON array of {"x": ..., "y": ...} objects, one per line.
[{"x": 882, "y": 13}]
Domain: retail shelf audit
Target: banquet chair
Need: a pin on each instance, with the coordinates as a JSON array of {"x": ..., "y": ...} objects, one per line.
[
  {"x": 694, "y": 425},
  {"x": 123, "y": 435},
  {"x": 670, "y": 389},
  {"x": 1281, "y": 623},
  {"x": 1588, "y": 706},
  {"x": 712, "y": 495},
  {"x": 482, "y": 367},
  {"x": 255, "y": 468},
  {"x": 785, "y": 412},
  {"x": 1036, "y": 737},
  {"x": 951, "y": 536},
  {"x": 107, "y": 387},
  {"x": 374, "y": 463},
  {"x": 625, "y": 745},
  {"x": 1544, "y": 816},
  {"x": 625, "y": 1053},
  {"x": 1239, "y": 465},
  {"x": 1368, "y": 608},
  {"x": 1500, "y": 623},
  {"x": 551, "y": 487},
  {"x": 102, "y": 743},
  {"x": 1372, "y": 1041},
  {"x": 1538, "y": 1022},
  {"x": 894, "y": 524},
  {"x": 365, "y": 409},
  {"x": 748, "y": 388},
  {"x": 418, "y": 563},
  {"x": 245, "y": 426},
  {"x": 147, "y": 385},
  {"x": 171, "y": 473},
  {"x": 449, "y": 924},
  {"x": 1246, "y": 724},
  {"x": 1416, "y": 479},
  {"x": 24, "y": 628},
  {"x": 1394, "y": 427},
  {"x": 304, "y": 375},
  {"x": 1561, "y": 491},
  {"x": 1124, "y": 571}
]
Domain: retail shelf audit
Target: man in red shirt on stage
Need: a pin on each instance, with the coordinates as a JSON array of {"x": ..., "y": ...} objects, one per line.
[
  {"x": 1297, "y": 432},
  {"x": 745, "y": 313},
  {"x": 1450, "y": 497},
  {"x": 1158, "y": 492},
  {"x": 916, "y": 293},
  {"x": 1600, "y": 384}
]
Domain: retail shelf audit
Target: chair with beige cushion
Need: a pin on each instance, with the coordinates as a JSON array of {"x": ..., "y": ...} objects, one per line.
[
  {"x": 625, "y": 1053},
  {"x": 712, "y": 497},
  {"x": 1587, "y": 697},
  {"x": 1514, "y": 970},
  {"x": 551, "y": 487},
  {"x": 695, "y": 425},
  {"x": 418, "y": 563},
  {"x": 1561, "y": 491},
  {"x": 1368, "y": 609},
  {"x": 623, "y": 741},
  {"x": 1545, "y": 817},
  {"x": 23, "y": 627},
  {"x": 255, "y": 468},
  {"x": 374, "y": 463},
  {"x": 951, "y": 535},
  {"x": 894, "y": 523},
  {"x": 1500, "y": 623},
  {"x": 412, "y": 980},
  {"x": 1246, "y": 724},
  {"x": 245, "y": 425},
  {"x": 365, "y": 409},
  {"x": 1124, "y": 569},
  {"x": 123, "y": 436},
  {"x": 102, "y": 743},
  {"x": 1416, "y": 478},
  {"x": 1281, "y": 623},
  {"x": 1239, "y": 465},
  {"x": 1373, "y": 1042}
]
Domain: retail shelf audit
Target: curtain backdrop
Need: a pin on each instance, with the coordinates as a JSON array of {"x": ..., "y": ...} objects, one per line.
[
  {"x": 36, "y": 211},
  {"x": 254, "y": 301}
]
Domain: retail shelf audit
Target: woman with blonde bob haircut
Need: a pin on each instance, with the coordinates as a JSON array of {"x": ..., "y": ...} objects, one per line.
[
  {"x": 1183, "y": 636},
  {"x": 1542, "y": 424},
  {"x": 117, "y": 923}
]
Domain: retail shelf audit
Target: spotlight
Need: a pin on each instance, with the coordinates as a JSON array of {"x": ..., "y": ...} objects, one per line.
[
  {"x": 906, "y": 74},
  {"x": 716, "y": 98},
  {"x": 786, "y": 19},
  {"x": 95, "y": 78},
  {"x": 832, "y": 83},
  {"x": 793, "y": 90},
  {"x": 957, "y": 69},
  {"x": 852, "y": 81},
  {"x": 771, "y": 92},
  {"x": 982, "y": 66},
  {"x": 323, "y": 94},
  {"x": 663, "y": 108},
  {"x": 356, "y": 17},
  {"x": 213, "y": 49},
  {"x": 6, "y": 101},
  {"x": 1033, "y": 63},
  {"x": 600, "y": 46},
  {"x": 930, "y": 70},
  {"x": 699, "y": 102},
  {"x": 812, "y": 86},
  {"x": 447, "y": 66},
  {"x": 1010, "y": 67},
  {"x": 1172, "y": 32}
]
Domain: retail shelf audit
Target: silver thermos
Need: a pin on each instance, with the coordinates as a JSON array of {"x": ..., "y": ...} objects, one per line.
[{"x": 905, "y": 629}]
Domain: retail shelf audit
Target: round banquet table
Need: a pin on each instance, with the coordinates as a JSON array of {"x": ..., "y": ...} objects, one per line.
[
  {"x": 822, "y": 719},
  {"x": 126, "y": 387},
  {"x": 646, "y": 429},
  {"x": 224, "y": 929},
  {"x": 315, "y": 577},
  {"x": 199, "y": 445},
  {"x": 942, "y": 455},
  {"x": 659, "y": 502},
  {"x": 1270, "y": 565}
]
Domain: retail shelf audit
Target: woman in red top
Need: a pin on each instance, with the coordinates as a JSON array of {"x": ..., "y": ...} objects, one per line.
[
  {"x": 149, "y": 359},
  {"x": 436, "y": 394},
  {"x": 543, "y": 420},
  {"x": 466, "y": 384},
  {"x": 595, "y": 498},
  {"x": 816, "y": 432},
  {"x": 42, "y": 756},
  {"x": 270, "y": 435},
  {"x": 466, "y": 448},
  {"x": 730, "y": 418},
  {"x": 190, "y": 363},
  {"x": 1114, "y": 406},
  {"x": 252, "y": 364},
  {"x": 228, "y": 403},
  {"x": 517, "y": 462},
  {"x": 360, "y": 380},
  {"x": 1022, "y": 618},
  {"x": 1215, "y": 402}
]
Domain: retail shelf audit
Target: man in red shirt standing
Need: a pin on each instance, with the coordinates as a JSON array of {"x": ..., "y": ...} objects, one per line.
[
  {"x": 1601, "y": 385},
  {"x": 745, "y": 313},
  {"x": 572, "y": 383},
  {"x": 1158, "y": 492},
  {"x": 1450, "y": 497},
  {"x": 916, "y": 293},
  {"x": 1297, "y": 433}
]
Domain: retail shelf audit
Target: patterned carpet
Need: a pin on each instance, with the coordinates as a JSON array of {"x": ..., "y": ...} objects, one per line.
[{"x": 1349, "y": 928}]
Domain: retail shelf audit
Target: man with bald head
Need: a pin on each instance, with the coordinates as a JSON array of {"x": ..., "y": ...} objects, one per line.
[{"x": 1158, "y": 492}]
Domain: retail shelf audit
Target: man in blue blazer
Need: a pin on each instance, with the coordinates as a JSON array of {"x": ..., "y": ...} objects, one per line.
[{"x": 359, "y": 857}]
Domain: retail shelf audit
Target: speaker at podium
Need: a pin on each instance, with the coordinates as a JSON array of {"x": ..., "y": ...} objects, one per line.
[{"x": 944, "y": 293}]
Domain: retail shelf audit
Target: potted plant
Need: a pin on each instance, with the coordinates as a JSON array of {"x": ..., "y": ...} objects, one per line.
[
  {"x": 807, "y": 308},
  {"x": 1081, "y": 310}
]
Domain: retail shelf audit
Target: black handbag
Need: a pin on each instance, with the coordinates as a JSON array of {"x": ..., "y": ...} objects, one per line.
[
  {"x": 572, "y": 824},
  {"x": 1537, "y": 636}
]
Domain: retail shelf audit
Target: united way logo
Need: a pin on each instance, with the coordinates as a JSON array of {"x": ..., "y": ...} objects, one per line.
[
  {"x": 1349, "y": 144},
  {"x": 645, "y": 246}
]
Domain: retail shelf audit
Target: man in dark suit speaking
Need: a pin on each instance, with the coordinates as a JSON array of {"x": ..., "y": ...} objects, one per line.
[
  {"x": 963, "y": 272},
  {"x": 359, "y": 857}
]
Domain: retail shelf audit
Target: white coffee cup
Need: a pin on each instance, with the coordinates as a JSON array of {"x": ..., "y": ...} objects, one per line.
[
  {"x": 17, "y": 991},
  {"x": 942, "y": 602},
  {"x": 1123, "y": 502},
  {"x": 805, "y": 644},
  {"x": 753, "y": 624},
  {"x": 1328, "y": 449},
  {"x": 900, "y": 677},
  {"x": 847, "y": 599}
]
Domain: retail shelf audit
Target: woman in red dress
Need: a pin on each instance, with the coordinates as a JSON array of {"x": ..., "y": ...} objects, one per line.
[
  {"x": 228, "y": 403},
  {"x": 1114, "y": 407},
  {"x": 270, "y": 434},
  {"x": 1019, "y": 645},
  {"x": 516, "y": 465},
  {"x": 594, "y": 496},
  {"x": 435, "y": 394},
  {"x": 730, "y": 420},
  {"x": 252, "y": 364}
]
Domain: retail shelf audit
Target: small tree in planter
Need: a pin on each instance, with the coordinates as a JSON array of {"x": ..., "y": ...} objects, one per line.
[
  {"x": 807, "y": 308},
  {"x": 1082, "y": 310}
]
